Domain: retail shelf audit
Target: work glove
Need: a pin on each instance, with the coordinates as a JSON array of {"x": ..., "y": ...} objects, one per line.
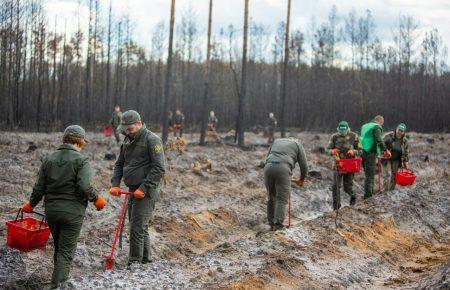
[
  {"x": 299, "y": 181},
  {"x": 139, "y": 194},
  {"x": 100, "y": 203},
  {"x": 115, "y": 191},
  {"x": 387, "y": 154},
  {"x": 27, "y": 208},
  {"x": 351, "y": 153},
  {"x": 405, "y": 165},
  {"x": 334, "y": 152}
]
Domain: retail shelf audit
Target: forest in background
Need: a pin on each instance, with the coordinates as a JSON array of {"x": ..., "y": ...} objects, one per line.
[{"x": 336, "y": 70}]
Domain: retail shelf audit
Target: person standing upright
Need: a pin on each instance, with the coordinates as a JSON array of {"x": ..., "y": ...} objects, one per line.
[
  {"x": 372, "y": 145},
  {"x": 141, "y": 164},
  {"x": 115, "y": 122}
]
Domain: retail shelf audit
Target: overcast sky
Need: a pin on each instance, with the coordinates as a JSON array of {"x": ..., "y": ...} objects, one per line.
[{"x": 146, "y": 13}]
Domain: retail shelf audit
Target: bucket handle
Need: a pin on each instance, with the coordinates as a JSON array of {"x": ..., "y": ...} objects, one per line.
[
  {"x": 35, "y": 212},
  {"x": 406, "y": 170}
]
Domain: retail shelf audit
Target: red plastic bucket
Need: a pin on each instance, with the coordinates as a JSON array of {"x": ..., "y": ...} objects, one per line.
[
  {"x": 107, "y": 131},
  {"x": 26, "y": 234},
  {"x": 349, "y": 165},
  {"x": 405, "y": 177}
]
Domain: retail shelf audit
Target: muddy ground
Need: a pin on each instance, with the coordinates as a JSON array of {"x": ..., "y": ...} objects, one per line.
[{"x": 208, "y": 230}]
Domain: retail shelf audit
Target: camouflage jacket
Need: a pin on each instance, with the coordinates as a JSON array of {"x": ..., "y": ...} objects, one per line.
[
  {"x": 398, "y": 147},
  {"x": 343, "y": 143}
]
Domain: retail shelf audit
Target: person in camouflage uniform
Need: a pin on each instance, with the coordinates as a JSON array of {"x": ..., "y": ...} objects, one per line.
[
  {"x": 279, "y": 165},
  {"x": 372, "y": 145},
  {"x": 271, "y": 128},
  {"x": 178, "y": 120},
  {"x": 64, "y": 181},
  {"x": 115, "y": 122},
  {"x": 344, "y": 144},
  {"x": 397, "y": 143},
  {"x": 141, "y": 164}
]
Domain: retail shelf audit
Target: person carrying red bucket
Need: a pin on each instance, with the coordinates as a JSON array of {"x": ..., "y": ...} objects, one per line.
[
  {"x": 344, "y": 146},
  {"x": 64, "y": 181},
  {"x": 397, "y": 143}
]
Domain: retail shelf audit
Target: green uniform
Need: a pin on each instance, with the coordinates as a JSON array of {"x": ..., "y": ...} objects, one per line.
[
  {"x": 400, "y": 154},
  {"x": 115, "y": 122},
  {"x": 344, "y": 143},
  {"x": 141, "y": 164},
  {"x": 271, "y": 128},
  {"x": 372, "y": 144},
  {"x": 64, "y": 181},
  {"x": 280, "y": 162}
]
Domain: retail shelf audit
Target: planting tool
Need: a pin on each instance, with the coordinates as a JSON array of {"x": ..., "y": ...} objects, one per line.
[{"x": 110, "y": 261}]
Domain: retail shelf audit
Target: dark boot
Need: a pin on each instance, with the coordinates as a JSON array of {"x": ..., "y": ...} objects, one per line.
[
  {"x": 277, "y": 227},
  {"x": 352, "y": 200}
]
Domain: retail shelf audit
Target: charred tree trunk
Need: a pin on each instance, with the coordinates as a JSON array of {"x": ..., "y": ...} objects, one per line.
[{"x": 168, "y": 81}]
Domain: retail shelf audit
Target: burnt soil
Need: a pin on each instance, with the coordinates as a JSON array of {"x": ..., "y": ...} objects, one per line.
[{"x": 209, "y": 229}]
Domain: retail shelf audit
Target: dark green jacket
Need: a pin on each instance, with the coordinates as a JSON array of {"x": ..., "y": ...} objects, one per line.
[
  {"x": 141, "y": 162},
  {"x": 64, "y": 180},
  {"x": 288, "y": 151},
  {"x": 343, "y": 143},
  {"x": 115, "y": 119},
  {"x": 398, "y": 147}
]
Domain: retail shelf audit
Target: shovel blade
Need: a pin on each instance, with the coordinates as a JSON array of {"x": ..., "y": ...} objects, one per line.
[{"x": 109, "y": 263}]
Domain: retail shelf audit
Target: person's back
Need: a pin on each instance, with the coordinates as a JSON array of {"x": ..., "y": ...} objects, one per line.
[
  {"x": 64, "y": 181},
  {"x": 286, "y": 151},
  {"x": 280, "y": 162}
]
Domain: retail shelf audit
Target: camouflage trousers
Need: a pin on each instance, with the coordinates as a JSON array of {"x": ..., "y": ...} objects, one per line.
[{"x": 347, "y": 180}]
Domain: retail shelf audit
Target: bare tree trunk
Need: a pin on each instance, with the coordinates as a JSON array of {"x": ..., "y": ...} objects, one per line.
[
  {"x": 108, "y": 57},
  {"x": 285, "y": 74},
  {"x": 241, "y": 112},
  {"x": 168, "y": 81},
  {"x": 204, "y": 111}
]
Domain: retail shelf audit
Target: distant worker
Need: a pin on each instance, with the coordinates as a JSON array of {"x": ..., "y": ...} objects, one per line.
[
  {"x": 178, "y": 120},
  {"x": 141, "y": 164},
  {"x": 397, "y": 143},
  {"x": 343, "y": 144},
  {"x": 280, "y": 163},
  {"x": 64, "y": 181},
  {"x": 115, "y": 122},
  {"x": 271, "y": 127},
  {"x": 212, "y": 121},
  {"x": 372, "y": 145}
]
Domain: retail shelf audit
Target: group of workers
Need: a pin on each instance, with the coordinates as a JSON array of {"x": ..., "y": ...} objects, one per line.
[
  {"x": 65, "y": 179},
  {"x": 392, "y": 150}
]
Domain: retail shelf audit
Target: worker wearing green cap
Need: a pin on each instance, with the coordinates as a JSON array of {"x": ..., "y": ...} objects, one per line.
[
  {"x": 343, "y": 144},
  {"x": 141, "y": 165},
  {"x": 65, "y": 183},
  {"x": 397, "y": 143}
]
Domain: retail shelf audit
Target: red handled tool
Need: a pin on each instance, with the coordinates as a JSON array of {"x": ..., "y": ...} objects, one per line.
[{"x": 109, "y": 263}]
